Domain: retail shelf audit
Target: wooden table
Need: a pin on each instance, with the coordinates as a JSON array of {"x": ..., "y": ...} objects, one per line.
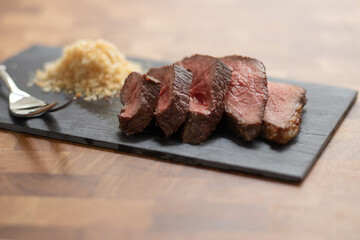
[{"x": 57, "y": 190}]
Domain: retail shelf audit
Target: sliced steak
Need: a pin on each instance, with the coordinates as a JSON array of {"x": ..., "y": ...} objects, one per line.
[
  {"x": 208, "y": 89},
  {"x": 173, "y": 104},
  {"x": 283, "y": 111},
  {"x": 246, "y": 97},
  {"x": 139, "y": 96}
]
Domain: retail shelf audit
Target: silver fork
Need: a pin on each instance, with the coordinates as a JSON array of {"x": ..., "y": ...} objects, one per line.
[{"x": 22, "y": 104}]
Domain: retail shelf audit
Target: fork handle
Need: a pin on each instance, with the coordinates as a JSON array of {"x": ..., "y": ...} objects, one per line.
[{"x": 8, "y": 80}]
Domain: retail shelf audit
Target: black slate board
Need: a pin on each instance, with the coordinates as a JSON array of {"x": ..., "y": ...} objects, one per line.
[{"x": 96, "y": 124}]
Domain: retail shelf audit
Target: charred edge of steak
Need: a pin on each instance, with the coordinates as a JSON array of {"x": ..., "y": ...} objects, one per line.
[
  {"x": 197, "y": 128},
  {"x": 173, "y": 105},
  {"x": 260, "y": 64},
  {"x": 241, "y": 127},
  {"x": 201, "y": 124},
  {"x": 283, "y": 135},
  {"x": 246, "y": 131},
  {"x": 139, "y": 96}
]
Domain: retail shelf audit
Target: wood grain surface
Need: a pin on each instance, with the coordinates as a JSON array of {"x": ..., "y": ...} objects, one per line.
[{"x": 57, "y": 190}]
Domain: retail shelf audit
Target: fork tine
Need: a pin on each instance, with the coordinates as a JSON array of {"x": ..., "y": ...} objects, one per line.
[
  {"x": 25, "y": 102},
  {"x": 31, "y": 107},
  {"x": 33, "y": 113},
  {"x": 42, "y": 110},
  {"x": 63, "y": 106}
]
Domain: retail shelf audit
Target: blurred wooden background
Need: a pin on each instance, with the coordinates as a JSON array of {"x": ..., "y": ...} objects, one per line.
[{"x": 57, "y": 190}]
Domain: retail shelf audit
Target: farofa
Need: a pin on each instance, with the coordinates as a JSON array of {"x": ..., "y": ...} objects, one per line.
[{"x": 92, "y": 69}]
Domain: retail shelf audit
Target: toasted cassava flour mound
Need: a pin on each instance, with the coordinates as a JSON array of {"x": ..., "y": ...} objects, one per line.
[{"x": 91, "y": 69}]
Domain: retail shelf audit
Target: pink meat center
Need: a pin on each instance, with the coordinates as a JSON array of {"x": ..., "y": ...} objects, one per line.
[
  {"x": 245, "y": 94},
  {"x": 200, "y": 95},
  {"x": 164, "y": 98},
  {"x": 132, "y": 104}
]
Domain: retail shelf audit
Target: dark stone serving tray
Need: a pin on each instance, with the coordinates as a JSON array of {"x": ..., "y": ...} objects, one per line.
[{"x": 96, "y": 124}]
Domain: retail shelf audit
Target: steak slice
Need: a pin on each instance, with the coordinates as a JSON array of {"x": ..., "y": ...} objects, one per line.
[
  {"x": 246, "y": 97},
  {"x": 173, "y": 104},
  {"x": 283, "y": 111},
  {"x": 207, "y": 92},
  {"x": 139, "y": 96}
]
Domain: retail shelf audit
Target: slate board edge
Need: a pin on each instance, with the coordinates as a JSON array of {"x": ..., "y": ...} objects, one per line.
[
  {"x": 171, "y": 157},
  {"x": 321, "y": 149}
]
